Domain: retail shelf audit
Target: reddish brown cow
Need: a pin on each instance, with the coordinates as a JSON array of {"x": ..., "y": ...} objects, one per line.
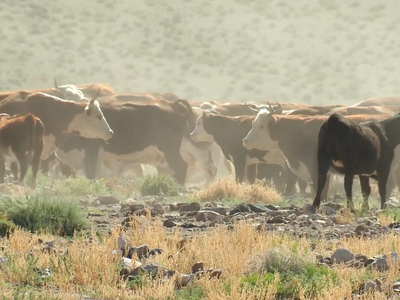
[
  {"x": 19, "y": 135},
  {"x": 314, "y": 110},
  {"x": 385, "y": 101}
]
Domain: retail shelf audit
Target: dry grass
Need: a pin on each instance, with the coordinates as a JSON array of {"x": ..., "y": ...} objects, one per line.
[
  {"x": 93, "y": 270},
  {"x": 228, "y": 189}
]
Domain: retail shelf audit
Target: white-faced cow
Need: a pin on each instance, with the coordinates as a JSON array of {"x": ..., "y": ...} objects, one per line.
[
  {"x": 61, "y": 116},
  {"x": 366, "y": 149}
]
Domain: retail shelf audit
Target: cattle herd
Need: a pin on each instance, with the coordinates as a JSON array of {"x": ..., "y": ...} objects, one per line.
[{"x": 82, "y": 128}]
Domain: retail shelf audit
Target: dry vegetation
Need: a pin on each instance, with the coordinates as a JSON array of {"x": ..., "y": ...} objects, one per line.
[
  {"x": 83, "y": 269},
  {"x": 229, "y": 190}
]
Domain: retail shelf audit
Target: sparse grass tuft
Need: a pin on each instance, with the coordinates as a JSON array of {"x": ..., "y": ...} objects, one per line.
[
  {"x": 296, "y": 275},
  {"x": 159, "y": 184},
  {"x": 54, "y": 215},
  {"x": 229, "y": 189}
]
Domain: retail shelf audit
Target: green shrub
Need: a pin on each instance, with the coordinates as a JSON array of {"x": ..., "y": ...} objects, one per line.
[
  {"x": 53, "y": 215},
  {"x": 296, "y": 274},
  {"x": 6, "y": 226},
  {"x": 157, "y": 184}
]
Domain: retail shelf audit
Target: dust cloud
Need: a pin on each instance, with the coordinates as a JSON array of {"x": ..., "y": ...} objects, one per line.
[{"x": 310, "y": 51}]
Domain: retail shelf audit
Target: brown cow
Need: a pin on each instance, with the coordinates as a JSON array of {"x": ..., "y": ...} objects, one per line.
[
  {"x": 19, "y": 135},
  {"x": 364, "y": 110},
  {"x": 384, "y": 101},
  {"x": 60, "y": 116},
  {"x": 296, "y": 137},
  {"x": 314, "y": 110},
  {"x": 245, "y": 109}
]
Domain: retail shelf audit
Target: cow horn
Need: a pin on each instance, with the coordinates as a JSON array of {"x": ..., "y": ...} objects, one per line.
[
  {"x": 55, "y": 84},
  {"x": 272, "y": 110},
  {"x": 253, "y": 109},
  {"x": 94, "y": 98},
  {"x": 277, "y": 103}
]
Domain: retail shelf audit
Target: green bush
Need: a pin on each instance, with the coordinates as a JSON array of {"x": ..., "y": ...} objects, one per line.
[
  {"x": 6, "y": 226},
  {"x": 53, "y": 215},
  {"x": 295, "y": 274},
  {"x": 161, "y": 183}
]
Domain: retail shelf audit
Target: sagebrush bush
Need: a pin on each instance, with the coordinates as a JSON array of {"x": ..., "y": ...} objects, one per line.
[
  {"x": 50, "y": 214},
  {"x": 157, "y": 184},
  {"x": 229, "y": 189}
]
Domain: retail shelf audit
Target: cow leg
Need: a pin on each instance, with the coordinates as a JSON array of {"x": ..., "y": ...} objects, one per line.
[
  {"x": 240, "y": 166},
  {"x": 178, "y": 165},
  {"x": 290, "y": 183},
  {"x": 382, "y": 176},
  {"x": 325, "y": 190},
  {"x": 366, "y": 191},
  {"x": 302, "y": 185},
  {"x": 348, "y": 187},
  {"x": 324, "y": 165},
  {"x": 2, "y": 169},
  {"x": 23, "y": 165},
  {"x": 251, "y": 173},
  {"x": 14, "y": 170}
]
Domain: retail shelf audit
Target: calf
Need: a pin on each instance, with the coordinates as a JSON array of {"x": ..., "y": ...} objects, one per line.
[
  {"x": 366, "y": 149},
  {"x": 19, "y": 135}
]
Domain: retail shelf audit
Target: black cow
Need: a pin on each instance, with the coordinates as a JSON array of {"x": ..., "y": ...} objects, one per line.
[{"x": 366, "y": 149}]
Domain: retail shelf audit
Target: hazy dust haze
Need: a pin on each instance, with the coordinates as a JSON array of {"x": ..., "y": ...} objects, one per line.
[{"x": 230, "y": 50}]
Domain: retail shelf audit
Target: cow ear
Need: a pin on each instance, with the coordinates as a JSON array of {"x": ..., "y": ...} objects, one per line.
[{"x": 180, "y": 107}]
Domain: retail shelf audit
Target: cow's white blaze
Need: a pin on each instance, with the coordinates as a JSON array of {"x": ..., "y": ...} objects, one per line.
[
  {"x": 199, "y": 134},
  {"x": 259, "y": 137},
  {"x": 394, "y": 165},
  {"x": 91, "y": 125}
]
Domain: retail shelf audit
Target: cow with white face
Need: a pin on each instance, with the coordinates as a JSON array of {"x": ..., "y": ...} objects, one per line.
[
  {"x": 68, "y": 92},
  {"x": 259, "y": 135}
]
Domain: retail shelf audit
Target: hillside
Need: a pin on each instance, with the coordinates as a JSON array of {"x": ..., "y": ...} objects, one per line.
[{"x": 233, "y": 50}]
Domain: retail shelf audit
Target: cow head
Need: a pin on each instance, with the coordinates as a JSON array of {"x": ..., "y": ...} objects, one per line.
[
  {"x": 68, "y": 92},
  {"x": 199, "y": 134},
  {"x": 259, "y": 135},
  {"x": 185, "y": 110},
  {"x": 92, "y": 124}
]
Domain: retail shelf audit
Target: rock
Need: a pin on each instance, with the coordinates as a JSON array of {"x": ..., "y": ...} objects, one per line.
[
  {"x": 329, "y": 211},
  {"x": 271, "y": 207},
  {"x": 381, "y": 264},
  {"x": 123, "y": 243},
  {"x": 198, "y": 266},
  {"x": 106, "y": 200},
  {"x": 155, "y": 251},
  {"x": 342, "y": 255},
  {"x": 364, "y": 221},
  {"x": 185, "y": 279},
  {"x": 201, "y": 216},
  {"x": 361, "y": 258},
  {"x": 141, "y": 251},
  {"x": 335, "y": 206},
  {"x": 204, "y": 216},
  {"x": 135, "y": 207},
  {"x": 194, "y": 206},
  {"x": 151, "y": 269},
  {"x": 369, "y": 287},
  {"x": 128, "y": 263},
  {"x": 220, "y": 210},
  {"x": 361, "y": 229},
  {"x": 210, "y": 204},
  {"x": 173, "y": 206},
  {"x": 257, "y": 208},
  {"x": 170, "y": 223},
  {"x": 157, "y": 209},
  {"x": 310, "y": 209},
  {"x": 241, "y": 208},
  {"x": 215, "y": 273},
  {"x": 276, "y": 219},
  {"x": 392, "y": 203}
]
